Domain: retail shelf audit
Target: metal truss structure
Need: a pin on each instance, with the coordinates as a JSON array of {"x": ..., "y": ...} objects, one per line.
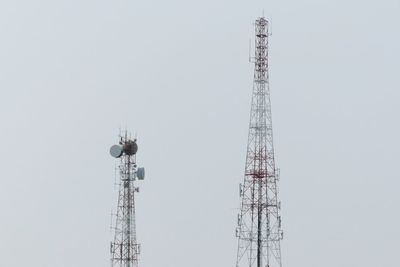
[
  {"x": 259, "y": 223},
  {"x": 124, "y": 248}
]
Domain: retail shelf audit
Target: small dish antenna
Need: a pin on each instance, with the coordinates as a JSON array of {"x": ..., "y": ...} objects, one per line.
[
  {"x": 116, "y": 151},
  {"x": 130, "y": 148},
  {"x": 140, "y": 173}
]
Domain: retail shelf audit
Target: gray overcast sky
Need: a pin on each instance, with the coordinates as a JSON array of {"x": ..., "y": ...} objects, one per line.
[{"x": 177, "y": 74}]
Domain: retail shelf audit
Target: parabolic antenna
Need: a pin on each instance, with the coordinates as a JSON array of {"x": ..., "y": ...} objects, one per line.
[
  {"x": 116, "y": 151},
  {"x": 140, "y": 173},
  {"x": 130, "y": 148}
]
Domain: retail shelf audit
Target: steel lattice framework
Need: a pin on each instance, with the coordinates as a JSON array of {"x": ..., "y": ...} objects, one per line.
[
  {"x": 125, "y": 249},
  {"x": 259, "y": 223}
]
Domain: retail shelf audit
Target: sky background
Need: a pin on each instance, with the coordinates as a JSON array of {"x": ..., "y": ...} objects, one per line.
[{"x": 177, "y": 74}]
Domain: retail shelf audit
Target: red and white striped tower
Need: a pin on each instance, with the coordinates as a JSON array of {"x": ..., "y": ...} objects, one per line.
[{"x": 259, "y": 223}]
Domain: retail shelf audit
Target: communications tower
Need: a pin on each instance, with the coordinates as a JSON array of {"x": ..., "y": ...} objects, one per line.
[
  {"x": 125, "y": 248},
  {"x": 259, "y": 223}
]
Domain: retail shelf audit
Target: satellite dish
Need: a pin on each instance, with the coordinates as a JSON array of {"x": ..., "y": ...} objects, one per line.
[
  {"x": 140, "y": 173},
  {"x": 116, "y": 151},
  {"x": 130, "y": 148}
]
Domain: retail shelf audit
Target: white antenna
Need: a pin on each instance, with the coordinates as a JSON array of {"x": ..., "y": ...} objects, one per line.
[
  {"x": 270, "y": 26},
  {"x": 115, "y": 175},
  {"x": 112, "y": 217},
  {"x": 249, "y": 49}
]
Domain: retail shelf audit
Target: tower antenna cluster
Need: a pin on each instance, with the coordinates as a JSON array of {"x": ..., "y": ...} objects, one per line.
[
  {"x": 124, "y": 248},
  {"x": 259, "y": 223}
]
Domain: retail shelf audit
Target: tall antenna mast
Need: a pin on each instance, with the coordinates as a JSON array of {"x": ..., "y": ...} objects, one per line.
[
  {"x": 259, "y": 223},
  {"x": 125, "y": 248}
]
